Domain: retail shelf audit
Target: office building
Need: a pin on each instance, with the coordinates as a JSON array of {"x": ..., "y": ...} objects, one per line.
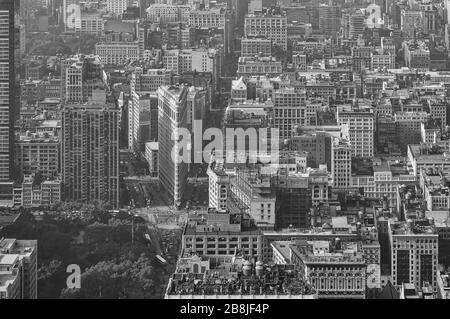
[
  {"x": 414, "y": 252},
  {"x": 341, "y": 163},
  {"x": 361, "y": 130},
  {"x": 329, "y": 20},
  {"x": 165, "y": 13},
  {"x": 255, "y": 66},
  {"x": 151, "y": 155},
  {"x": 207, "y": 19},
  {"x": 117, "y": 53},
  {"x": 299, "y": 61},
  {"x": 251, "y": 192},
  {"x": 142, "y": 120},
  {"x": 336, "y": 270},
  {"x": 251, "y": 47},
  {"x": 117, "y": 6},
  {"x": 220, "y": 233},
  {"x": 289, "y": 111},
  {"x": 408, "y": 125},
  {"x": 293, "y": 194},
  {"x": 273, "y": 27},
  {"x": 219, "y": 184},
  {"x": 172, "y": 115},
  {"x": 318, "y": 145}
]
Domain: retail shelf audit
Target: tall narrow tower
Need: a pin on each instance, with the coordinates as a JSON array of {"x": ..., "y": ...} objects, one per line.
[
  {"x": 7, "y": 97},
  {"x": 172, "y": 115}
]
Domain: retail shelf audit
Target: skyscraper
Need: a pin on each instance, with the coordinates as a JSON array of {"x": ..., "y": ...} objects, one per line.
[
  {"x": 172, "y": 115},
  {"x": 329, "y": 19},
  {"x": 90, "y": 152},
  {"x": 7, "y": 98}
]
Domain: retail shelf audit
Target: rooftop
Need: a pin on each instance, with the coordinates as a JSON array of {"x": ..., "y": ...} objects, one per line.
[
  {"x": 346, "y": 253},
  {"x": 419, "y": 227},
  {"x": 241, "y": 279},
  {"x": 220, "y": 222}
]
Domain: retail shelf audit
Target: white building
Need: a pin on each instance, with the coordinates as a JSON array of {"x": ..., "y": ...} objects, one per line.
[
  {"x": 200, "y": 60},
  {"x": 165, "y": 13},
  {"x": 341, "y": 164},
  {"x": 151, "y": 155},
  {"x": 361, "y": 130},
  {"x": 172, "y": 115},
  {"x": 117, "y": 53},
  {"x": 117, "y": 6},
  {"x": 271, "y": 26},
  {"x": 29, "y": 194},
  {"x": 219, "y": 185},
  {"x": 89, "y": 23},
  {"x": 414, "y": 252},
  {"x": 251, "y": 47},
  {"x": 206, "y": 19},
  {"x": 248, "y": 67}
]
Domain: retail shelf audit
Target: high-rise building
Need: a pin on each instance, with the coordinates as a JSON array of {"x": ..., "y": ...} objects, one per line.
[
  {"x": 74, "y": 82},
  {"x": 142, "y": 120},
  {"x": 90, "y": 152},
  {"x": 353, "y": 24},
  {"x": 80, "y": 76},
  {"x": 361, "y": 130},
  {"x": 172, "y": 115},
  {"x": 143, "y": 105},
  {"x": 7, "y": 98},
  {"x": 341, "y": 163},
  {"x": 329, "y": 19}
]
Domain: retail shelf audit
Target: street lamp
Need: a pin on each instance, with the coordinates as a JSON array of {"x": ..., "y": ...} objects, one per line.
[{"x": 130, "y": 208}]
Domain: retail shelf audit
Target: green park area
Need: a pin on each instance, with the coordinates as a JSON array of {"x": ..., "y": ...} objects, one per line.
[{"x": 112, "y": 265}]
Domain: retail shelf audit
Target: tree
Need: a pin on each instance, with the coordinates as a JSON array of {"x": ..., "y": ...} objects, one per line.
[
  {"x": 54, "y": 244},
  {"x": 110, "y": 280}
]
